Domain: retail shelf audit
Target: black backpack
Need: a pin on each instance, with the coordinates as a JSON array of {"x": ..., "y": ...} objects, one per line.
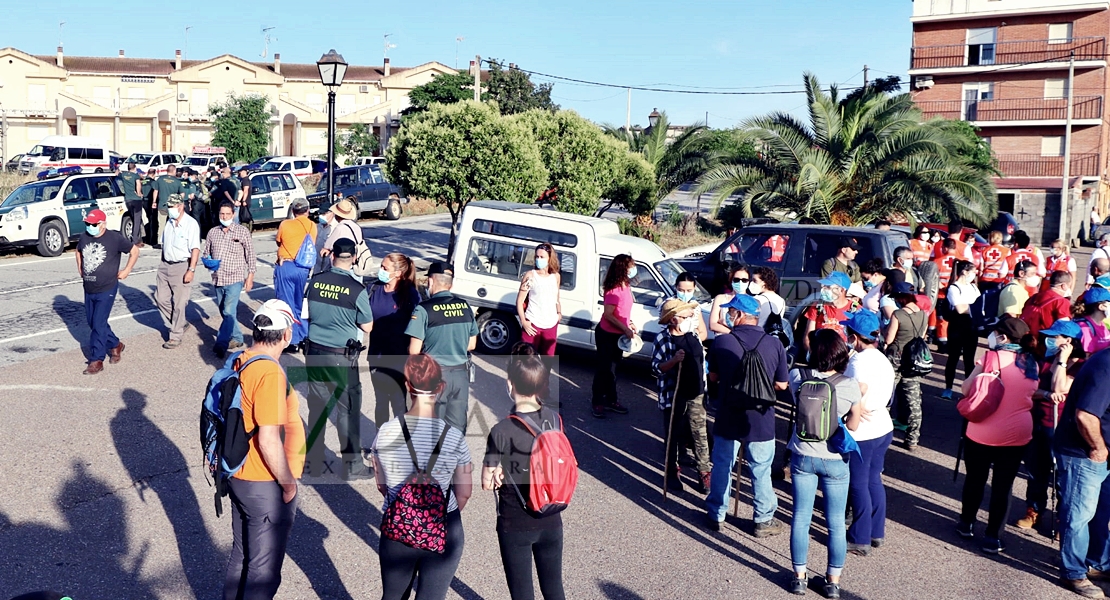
[
  {"x": 751, "y": 386},
  {"x": 916, "y": 359},
  {"x": 774, "y": 328}
]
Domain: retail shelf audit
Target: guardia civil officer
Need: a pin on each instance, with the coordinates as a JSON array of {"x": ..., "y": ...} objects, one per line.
[
  {"x": 339, "y": 316},
  {"x": 443, "y": 327}
]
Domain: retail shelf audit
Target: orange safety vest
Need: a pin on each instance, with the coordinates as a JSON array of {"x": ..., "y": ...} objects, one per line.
[
  {"x": 993, "y": 264},
  {"x": 777, "y": 244},
  {"x": 1053, "y": 263},
  {"x": 1019, "y": 255},
  {"x": 962, "y": 252},
  {"x": 921, "y": 251},
  {"x": 944, "y": 269}
]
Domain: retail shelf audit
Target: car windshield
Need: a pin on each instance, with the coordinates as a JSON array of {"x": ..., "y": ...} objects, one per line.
[
  {"x": 670, "y": 270},
  {"x": 342, "y": 179},
  {"x": 271, "y": 165},
  {"x": 200, "y": 161},
  {"x": 41, "y": 151},
  {"x": 141, "y": 159},
  {"x": 32, "y": 192}
]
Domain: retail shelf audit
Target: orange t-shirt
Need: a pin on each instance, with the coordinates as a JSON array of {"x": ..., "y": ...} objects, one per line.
[
  {"x": 290, "y": 236},
  {"x": 269, "y": 400}
]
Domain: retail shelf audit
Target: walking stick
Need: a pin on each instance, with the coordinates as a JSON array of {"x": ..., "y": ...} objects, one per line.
[
  {"x": 1055, "y": 420},
  {"x": 959, "y": 452},
  {"x": 670, "y": 428},
  {"x": 737, "y": 471}
]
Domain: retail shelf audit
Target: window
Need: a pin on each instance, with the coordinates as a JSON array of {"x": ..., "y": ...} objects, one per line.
[
  {"x": 274, "y": 182},
  {"x": 288, "y": 181},
  {"x": 347, "y": 178},
  {"x": 523, "y": 232},
  {"x": 102, "y": 187},
  {"x": 670, "y": 270},
  {"x": 37, "y": 132},
  {"x": 1059, "y": 33},
  {"x": 759, "y": 249},
  {"x": 36, "y": 96},
  {"x": 32, "y": 192},
  {"x": 157, "y": 161},
  {"x": 77, "y": 191},
  {"x": 824, "y": 246},
  {"x": 258, "y": 185},
  {"x": 511, "y": 261},
  {"x": 973, "y": 94},
  {"x": 94, "y": 154},
  {"x": 300, "y": 164},
  {"x": 199, "y": 102},
  {"x": 980, "y": 45},
  {"x": 136, "y": 93},
  {"x": 646, "y": 289},
  {"x": 1052, "y": 145},
  {"x": 1055, "y": 88},
  {"x": 376, "y": 176},
  {"x": 1006, "y": 203}
]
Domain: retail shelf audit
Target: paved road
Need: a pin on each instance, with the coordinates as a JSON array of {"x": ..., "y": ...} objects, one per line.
[{"x": 104, "y": 498}]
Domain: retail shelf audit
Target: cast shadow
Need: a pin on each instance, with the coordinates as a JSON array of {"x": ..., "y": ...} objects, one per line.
[
  {"x": 616, "y": 591},
  {"x": 72, "y": 313},
  {"x": 306, "y": 549}
]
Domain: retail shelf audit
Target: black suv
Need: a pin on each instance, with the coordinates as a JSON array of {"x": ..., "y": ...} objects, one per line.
[{"x": 365, "y": 185}]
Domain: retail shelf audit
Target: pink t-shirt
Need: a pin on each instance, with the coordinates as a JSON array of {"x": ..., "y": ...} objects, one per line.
[
  {"x": 621, "y": 297},
  {"x": 1012, "y": 423}
]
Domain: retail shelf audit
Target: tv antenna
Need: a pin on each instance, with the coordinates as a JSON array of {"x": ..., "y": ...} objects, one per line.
[
  {"x": 458, "y": 41},
  {"x": 267, "y": 39},
  {"x": 187, "y": 28},
  {"x": 387, "y": 46},
  {"x": 61, "y": 24}
]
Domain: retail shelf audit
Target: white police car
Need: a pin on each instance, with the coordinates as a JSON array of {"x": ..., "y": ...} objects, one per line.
[{"x": 50, "y": 213}]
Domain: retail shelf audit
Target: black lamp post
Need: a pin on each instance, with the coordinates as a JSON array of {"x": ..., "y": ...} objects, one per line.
[
  {"x": 653, "y": 118},
  {"x": 332, "y": 69}
]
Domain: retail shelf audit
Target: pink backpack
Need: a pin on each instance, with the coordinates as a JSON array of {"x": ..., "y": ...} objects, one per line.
[{"x": 417, "y": 516}]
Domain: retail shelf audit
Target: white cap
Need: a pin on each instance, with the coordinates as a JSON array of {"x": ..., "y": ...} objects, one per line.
[{"x": 280, "y": 315}]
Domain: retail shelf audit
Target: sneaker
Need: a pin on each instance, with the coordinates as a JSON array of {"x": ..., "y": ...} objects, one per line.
[
  {"x": 712, "y": 524},
  {"x": 911, "y": 447},
  {"x": 767, "y": 528},
  {"x": 832, "y": 590},
  {"x": 966, "y": 530},
  {"x": 599, "y": 412},
  {"x": 1096, "y": 575},
  {"x": 798, "y": 585},
  {"x": 877, "y": 543},
  {"x": 219, "y": 351},
  {"x": 859, "y": 549},
  {"x": 1084, "y": 588},
  {"x": 171, "y": 344},
  {"x": 616, "y": 407},
  {"x": 233, "y": 344},
  {"x": 1029, "y": 520},
  {"x": 703, "y": 482},
  {"x": 946, "y": 395},
  {"x": 993, "y": 546}
]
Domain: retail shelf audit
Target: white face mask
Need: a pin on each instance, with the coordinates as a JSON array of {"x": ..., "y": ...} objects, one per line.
[
  {"x": 907, "y": 263},
  {"x": 923, "y": 237},
  {"x": 173, "y": 212},
  {"x": 992, "y": 341},
  {"x": 687, "y": 325},
  {"x": 755, "y": 289},
  {"x": 1033, "y": 281}
]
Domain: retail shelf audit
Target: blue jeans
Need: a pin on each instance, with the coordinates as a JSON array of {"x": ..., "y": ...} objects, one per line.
[
  {"x": 759, "y": 456},
  {"x": 805, "y": 473},
  {"x": 227, "y": 300},
  {"x": 1084, "y": 516},
  {"x": 289, "y": 286},
  {"x": 865, "y": 487},
  {"x": 98, "y": 307}
]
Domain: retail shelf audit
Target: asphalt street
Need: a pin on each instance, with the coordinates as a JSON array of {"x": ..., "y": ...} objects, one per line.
[{"x": 104, "y": 495}]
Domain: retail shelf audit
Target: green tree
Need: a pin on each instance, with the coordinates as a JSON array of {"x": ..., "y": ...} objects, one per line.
[
  {"x": 632, "y": 184},
  {"x": 514, "y": 91},
  {"x": 456, "y": 153},
  {"x": 444, "y": 88},
  {"x": 853, "y": 163},
  {"x": 242, "y": 125},
  {"x": 357, "y": 140}
]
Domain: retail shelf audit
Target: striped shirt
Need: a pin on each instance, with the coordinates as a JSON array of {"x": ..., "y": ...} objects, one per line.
[
  {"x": 396, "y": 462},
  {"x": 234, "y": 248}
]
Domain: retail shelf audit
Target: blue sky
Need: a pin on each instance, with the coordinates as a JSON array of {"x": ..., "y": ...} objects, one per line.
[{"x": 710, "y": 44}]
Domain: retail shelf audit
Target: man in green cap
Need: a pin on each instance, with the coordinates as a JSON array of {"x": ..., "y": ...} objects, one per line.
[{"x": 163, "y": 188}]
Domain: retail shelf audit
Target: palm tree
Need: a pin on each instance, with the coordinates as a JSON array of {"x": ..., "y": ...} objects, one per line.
[{"x": 856, "y": 160}]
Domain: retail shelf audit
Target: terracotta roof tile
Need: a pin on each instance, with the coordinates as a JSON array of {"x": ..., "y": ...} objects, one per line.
[{"x": 162, "y": 67}]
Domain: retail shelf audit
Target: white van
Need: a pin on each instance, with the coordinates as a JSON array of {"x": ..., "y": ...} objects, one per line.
[
  {"x": 496, "y": 247},
  {"x": 54, "y": 151}
]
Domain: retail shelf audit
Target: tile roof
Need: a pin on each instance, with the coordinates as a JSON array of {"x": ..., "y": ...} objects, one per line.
[{"x": 162, "y": 67}]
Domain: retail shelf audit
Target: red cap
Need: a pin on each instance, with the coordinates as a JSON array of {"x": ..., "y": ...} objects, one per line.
[{"x": 95, "y": 216}]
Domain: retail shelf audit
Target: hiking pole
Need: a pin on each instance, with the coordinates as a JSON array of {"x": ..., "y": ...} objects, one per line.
[
  {"x": 670, "y": 428},
  {"x": 737, "y": 470},
  {"x": 960, "y": 451},
  {"x": 1052, "y": 528}
]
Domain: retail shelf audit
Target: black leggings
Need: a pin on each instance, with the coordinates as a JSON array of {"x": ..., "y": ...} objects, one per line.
[
  {"x": 963, "y": 340},
  {"x": 605, "y": 373},
  {"x": 979, "y": 459},
  {"x": 402, "y": 564},
  {"x": 517, "y": 551}
]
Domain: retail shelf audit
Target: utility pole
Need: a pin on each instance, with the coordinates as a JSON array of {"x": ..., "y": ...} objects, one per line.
[
  {"x": 707, "y": 119},
  {"x": 477, "y": 77},
  {"x": 865, "y": 72},
  {"x": 1065, "y": 185},
  {"x": 628, "y": 114}
]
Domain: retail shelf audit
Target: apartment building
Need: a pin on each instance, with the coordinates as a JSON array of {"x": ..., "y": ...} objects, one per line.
[
  {"x": 1003, "y": 65},
  {"x": 155, "y": 104}
]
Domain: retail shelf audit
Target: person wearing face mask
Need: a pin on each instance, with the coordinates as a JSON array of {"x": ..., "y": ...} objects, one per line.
[
  {"x": 873, "y": 278},
  {"x": 289, "y": 277},
  {"x": 944, "y": 265},
  {"x": 1101, "y": 251},
  {"x": 909, "y": 321},
  {"x": 196, "y": 198},
  {"x": 844, "y": 261},
  {"x": 537, "y": 301},
  {"x": 998, "y": 442},
  {"x": 904, "y": 262},
  {"x": 676, "y": 345},
  {"x": 993, "y": 268},
  {"x": 1048, "y": 306},
  {"x": 615, "y": 322},
  {"x": 393, "y": 297},
  {"x": 1059, "y": 260},
  {"x": 921, "y": 245},
  {"x": 686, "y": 287},
  {"x": 1023, "y": 249},
  {"x": 832, "y": 307},
  {"x": 232, "y": 245},
  {"x": 98, "y": 257},
  {"x": 1096, "y": 307},
  {"x": 962, "y": 336},
  {"x": 325, "y": 223},
  {"x": 738, "y": 279},
  {"x": 180, "y": 254},
  {"x": 765, "y": 287},
  {"x": 1063, "y": 358},
  {"x": 955, "y": 233},
  {"x": 1015, "y": 294}
]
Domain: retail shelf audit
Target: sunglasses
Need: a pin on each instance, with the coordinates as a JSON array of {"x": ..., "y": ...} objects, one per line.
[{"x": 740, "y": 279}]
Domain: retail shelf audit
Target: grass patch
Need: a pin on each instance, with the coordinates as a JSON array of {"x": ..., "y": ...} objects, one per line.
[
  {"x": 10, "y": 181},
  {"x": 417, "y": 207},
  {"x": 671, "y": 238}
]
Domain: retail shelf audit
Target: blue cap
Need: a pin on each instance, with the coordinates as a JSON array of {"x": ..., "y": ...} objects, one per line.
[
  {"x": 903, "y": 288},
  {"x": 864, "y": 322},
  {"x": 744, "y": 303},
  {"x": 837, "y": 278},
  {"x": 1065, "y": 328},
  {"x": 1096, "y": 294}
]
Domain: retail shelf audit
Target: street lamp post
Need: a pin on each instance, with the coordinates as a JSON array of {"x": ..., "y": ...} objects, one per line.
[
  {"x": 653, "y": 118},
  {"x": 332, "y": 69}
]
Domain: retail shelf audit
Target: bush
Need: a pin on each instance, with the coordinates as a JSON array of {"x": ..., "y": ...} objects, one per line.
[
  {"x": 631, "y": 227},
  {"x": 674, "y": 216}
]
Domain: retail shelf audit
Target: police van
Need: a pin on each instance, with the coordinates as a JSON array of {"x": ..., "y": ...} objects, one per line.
[
  {"x": 272, "y": 194},
  {"x": 57, "y": 151},
  {"x": 50, "y": 214},
  {"x": 496, "y": 247}
]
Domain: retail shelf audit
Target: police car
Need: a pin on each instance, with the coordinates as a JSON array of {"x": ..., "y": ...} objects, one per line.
[
  {"x": 49, "y": 214},
  {"x": 272, "y": 194}
]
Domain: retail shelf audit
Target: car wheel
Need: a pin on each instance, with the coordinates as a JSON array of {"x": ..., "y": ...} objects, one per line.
[
  {"x": 393, "y": 209},
  {"x": 52, "y": 239},
  {"x": 497, "y": 332},
  {"x": 126, "y": 227}
]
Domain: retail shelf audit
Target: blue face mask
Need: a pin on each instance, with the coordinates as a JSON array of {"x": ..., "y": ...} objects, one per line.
[
  {"x": 93, "y": 230},
  {"x": 867, "y": 285},
  {"x": 685, "y": 296},
  {"x": 728, "y": 320},
  {"x": 1050, "y": 347},
  {"x": 383, "y": 276},
  {"x": 227, "y": 223},
  {"x": 827, "y": 295},
  {"x": 739, "y": 288},
  {"x": 633, "y": 272},
  {"x": 541, "y": 264},
  {"x": 321, "y": 220}
]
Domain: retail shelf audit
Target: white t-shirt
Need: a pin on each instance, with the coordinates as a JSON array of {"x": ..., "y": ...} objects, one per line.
[
  {"x": 962, "y": 293},
  {"x": 874, "y": 369},
  {"x": 396, "y": 462},
  {"x": 770, "y": 303},
  {"x": 871, "y": 300}
]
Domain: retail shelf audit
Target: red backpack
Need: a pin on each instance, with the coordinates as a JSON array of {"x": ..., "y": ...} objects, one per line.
[
  {"x": 553, "y": 469},
  {"x": 418, "y": 513}
]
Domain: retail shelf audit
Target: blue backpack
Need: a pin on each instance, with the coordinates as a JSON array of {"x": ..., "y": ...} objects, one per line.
[
  {"x": 306, "y": 254},
  {"x": 223, "y": 435}
]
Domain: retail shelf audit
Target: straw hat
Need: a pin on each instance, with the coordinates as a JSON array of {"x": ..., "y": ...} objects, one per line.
[
  {"x": 345, "y": 209},
  {"x": 672, "y": 307}
]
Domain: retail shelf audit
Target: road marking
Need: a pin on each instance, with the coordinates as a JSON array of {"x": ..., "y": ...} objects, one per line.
[
  {"x": 50, "y": 285},
  {"x": 35, "y": 262},
  {"x": 47, "y": 388}
]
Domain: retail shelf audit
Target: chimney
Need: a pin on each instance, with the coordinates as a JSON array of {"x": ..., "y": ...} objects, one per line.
[
  {"x": 386, "y": 67},
  {"x": 472, "y": 63},
  {"x": 61, "y": 63},
  {"x": 121, "y": 53},
  {"x": 277, "y": 63},
  {"x": 177, "y": 60}
]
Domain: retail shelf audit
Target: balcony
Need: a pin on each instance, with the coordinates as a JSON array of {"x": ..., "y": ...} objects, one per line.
[
  {"x": 1035, "y": 165},
  {"x": 1024, "y": 52},
  {"x": 1086, "y": 110}
]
